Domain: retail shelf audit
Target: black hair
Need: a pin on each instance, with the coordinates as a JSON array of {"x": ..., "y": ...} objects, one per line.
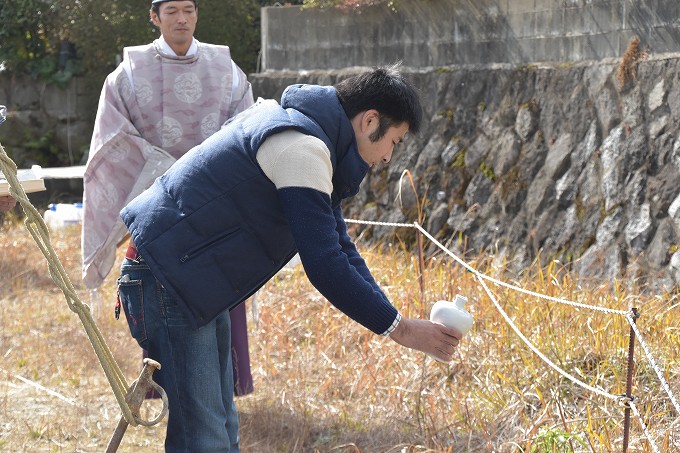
[
  {"x": 386, "y": 90},
  {"x": 155, "y": 7}
]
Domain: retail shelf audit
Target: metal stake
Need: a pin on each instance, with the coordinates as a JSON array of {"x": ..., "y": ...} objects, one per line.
[
  {"x": 421, "y": 268},
  {"x": 134, "y": 398},
  {"x": 629, "y": 383}
]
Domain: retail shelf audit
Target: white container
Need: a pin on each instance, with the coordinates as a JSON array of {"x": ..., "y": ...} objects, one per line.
[
  {"x": 61, "y": 215},
  {"x": 453, "y": 315}
]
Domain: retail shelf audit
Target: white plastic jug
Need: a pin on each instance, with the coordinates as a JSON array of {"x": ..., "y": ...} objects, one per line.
[
  {"x": 60, "y": 215},
  {"x": 453, "y": 315}
]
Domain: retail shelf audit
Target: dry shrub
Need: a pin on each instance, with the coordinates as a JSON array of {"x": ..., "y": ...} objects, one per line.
[
  {"x": 323, "y": 383},
  {"x": 627, "y": 71}
]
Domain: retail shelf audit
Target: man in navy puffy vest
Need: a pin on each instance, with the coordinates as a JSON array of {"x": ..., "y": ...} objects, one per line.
[{"x": 232, "y": 212}]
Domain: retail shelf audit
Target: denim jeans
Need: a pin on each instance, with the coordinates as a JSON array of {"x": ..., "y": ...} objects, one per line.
[{"x": 196, "y": 370}]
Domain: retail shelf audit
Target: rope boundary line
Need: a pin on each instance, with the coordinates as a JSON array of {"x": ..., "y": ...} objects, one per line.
[
  {"x": 482, "y": 277},
  {"x": 38, "y": 229}
]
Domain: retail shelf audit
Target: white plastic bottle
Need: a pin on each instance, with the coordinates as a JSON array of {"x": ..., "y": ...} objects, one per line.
[{"x": 453, "y": 315}]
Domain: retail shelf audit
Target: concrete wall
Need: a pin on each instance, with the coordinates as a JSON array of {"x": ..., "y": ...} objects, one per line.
[{"x": 436, "y": 33}]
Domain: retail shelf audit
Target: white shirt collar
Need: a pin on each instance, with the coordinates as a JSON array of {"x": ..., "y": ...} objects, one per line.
[{"x": 165, "y": 47}]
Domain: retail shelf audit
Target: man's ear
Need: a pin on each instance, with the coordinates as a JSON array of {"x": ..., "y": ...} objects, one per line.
[
  {"x": 364, "y": 123},
  {"x": 153, "y": 18},
  {"x": 370, "y": 120}
]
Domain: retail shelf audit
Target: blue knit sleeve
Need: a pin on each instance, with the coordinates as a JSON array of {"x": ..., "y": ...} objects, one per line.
[
  {"x": 331, "y": 260},
  {"x": 348, "y": 247}
]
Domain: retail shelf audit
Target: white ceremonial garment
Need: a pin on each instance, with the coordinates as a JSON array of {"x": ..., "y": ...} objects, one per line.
[{"x": 153, "y": 108}]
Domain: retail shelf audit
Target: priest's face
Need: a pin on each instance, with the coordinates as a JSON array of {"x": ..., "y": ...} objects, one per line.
[{"x": 177, "y": 22}]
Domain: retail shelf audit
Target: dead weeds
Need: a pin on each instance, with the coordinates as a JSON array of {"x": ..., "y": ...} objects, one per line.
[{"x": 325, "y": 384}]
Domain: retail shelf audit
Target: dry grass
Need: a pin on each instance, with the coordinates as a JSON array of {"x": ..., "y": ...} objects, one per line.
[
  {"x": 325, "y": 384},
  {"x": 627, "y": 70}
]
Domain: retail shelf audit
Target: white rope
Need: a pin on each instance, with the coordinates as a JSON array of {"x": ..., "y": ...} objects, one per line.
[
  {"x": 372, "y": 222},
  {"x": 517, "y": 288},
  {"x": 486, "y": 277},
  {"x": 70, "y": 294},
  {"x": 648, "y": 435},
  {"x": 481, "y": 277},
  {"x": 539, "y": 353},
  {"x": 655, "y": 367}
]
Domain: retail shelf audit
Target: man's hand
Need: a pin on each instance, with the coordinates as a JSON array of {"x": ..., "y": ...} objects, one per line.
[
  {"x": 427, "y": 336},
  {"x": 6, "y": 203}
]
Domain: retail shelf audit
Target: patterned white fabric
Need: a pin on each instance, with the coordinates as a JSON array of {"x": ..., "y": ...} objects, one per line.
[{"x": 153, "y": 108}]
